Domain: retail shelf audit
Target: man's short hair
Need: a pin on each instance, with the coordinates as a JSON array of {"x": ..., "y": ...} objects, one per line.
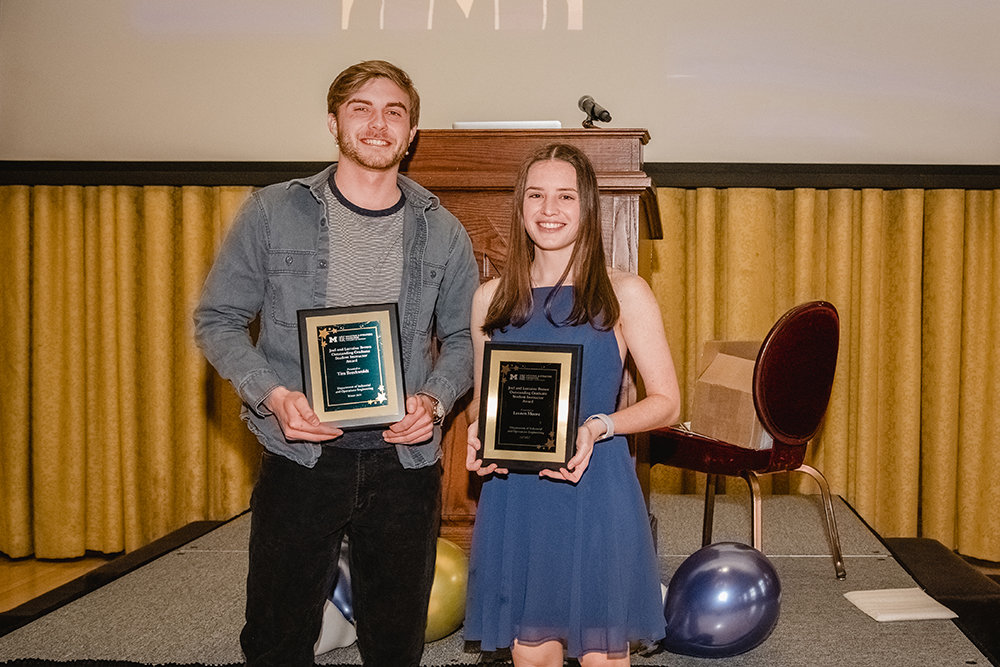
[{"x": 354, "y": 77}]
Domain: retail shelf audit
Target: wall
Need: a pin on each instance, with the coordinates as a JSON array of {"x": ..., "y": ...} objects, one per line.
[{"x": 855, "y": 81}]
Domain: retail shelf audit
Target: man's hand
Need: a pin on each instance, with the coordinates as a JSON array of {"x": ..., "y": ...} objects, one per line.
[
  {"x": 416, "y": 426},
  {"x": 296, "y": 417}
]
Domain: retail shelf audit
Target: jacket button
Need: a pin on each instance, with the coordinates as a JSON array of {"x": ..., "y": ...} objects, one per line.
[
  {"x": 289, "y": 260},
  {"x": 322, "y": 263}
]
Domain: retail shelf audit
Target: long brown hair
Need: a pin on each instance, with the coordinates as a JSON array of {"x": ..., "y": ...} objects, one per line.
[{"x": 594, "y": 299}]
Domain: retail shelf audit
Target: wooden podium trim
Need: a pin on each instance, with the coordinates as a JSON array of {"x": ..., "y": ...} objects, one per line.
[{"x": 498, "y": 152}]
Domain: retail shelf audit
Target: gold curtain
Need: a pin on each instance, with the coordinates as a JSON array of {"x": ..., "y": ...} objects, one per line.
[
  {"x": 115, "y": 430},
  {"x": 911, "y": 437}
]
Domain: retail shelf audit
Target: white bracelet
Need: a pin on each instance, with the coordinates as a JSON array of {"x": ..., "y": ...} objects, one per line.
[{"x": 609, "y": 426}]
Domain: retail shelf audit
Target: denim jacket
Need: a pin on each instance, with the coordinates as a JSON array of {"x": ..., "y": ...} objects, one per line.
[{"x": 274, "y": 262}]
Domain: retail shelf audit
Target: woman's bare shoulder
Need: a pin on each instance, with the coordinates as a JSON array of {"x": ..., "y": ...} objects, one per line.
[
  {"x": 488, "y": 289},
  {"x": 629, "y": 287}
]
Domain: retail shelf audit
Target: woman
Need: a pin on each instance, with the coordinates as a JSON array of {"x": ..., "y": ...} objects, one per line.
[{"x": 562, "y": 562}]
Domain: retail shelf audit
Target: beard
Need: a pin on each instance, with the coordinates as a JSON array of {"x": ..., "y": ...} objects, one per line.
[{"x": 368, "y": 156}]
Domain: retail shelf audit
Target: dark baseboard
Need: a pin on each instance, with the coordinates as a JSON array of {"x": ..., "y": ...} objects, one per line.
[
  {"x": 949, "y": 579},
  {"x": 662, "y": 174},
  {"x": 23, "y": 614},
  {"x": 208, "y": 174}
]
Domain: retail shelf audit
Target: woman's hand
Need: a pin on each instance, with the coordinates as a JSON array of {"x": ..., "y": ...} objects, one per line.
[
  {"x": 576, "y": 466},
  {"x": 472, "y": 462}
]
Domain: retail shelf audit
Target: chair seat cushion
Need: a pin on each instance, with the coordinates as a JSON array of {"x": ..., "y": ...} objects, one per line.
[{"x": 682, "y": 449}]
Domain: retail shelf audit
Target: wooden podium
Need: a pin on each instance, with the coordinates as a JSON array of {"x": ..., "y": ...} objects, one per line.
[{"x": 473, "y": 172}]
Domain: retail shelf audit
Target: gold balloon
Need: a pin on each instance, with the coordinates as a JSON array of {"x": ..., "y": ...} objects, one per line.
[{"x": 446, "y": 610}]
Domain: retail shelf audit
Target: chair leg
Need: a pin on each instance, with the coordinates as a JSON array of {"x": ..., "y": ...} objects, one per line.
[
  {"x": 831, "y": 519},
  {"x": 709, "y": 517},
  {"x": 756, "y": 523}
]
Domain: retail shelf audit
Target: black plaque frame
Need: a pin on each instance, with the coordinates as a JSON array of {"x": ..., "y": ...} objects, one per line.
[
  {"x": 373, "y": 330},
  {"x": 562, "y": 366}
]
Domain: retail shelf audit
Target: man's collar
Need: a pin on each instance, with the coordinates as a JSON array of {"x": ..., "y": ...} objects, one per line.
[{"x": 414, "y": 191}]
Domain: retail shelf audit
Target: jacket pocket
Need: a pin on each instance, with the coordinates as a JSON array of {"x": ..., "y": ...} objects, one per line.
[
  {"x": 430, "y": 286},
  {"x": 290, "y": 284}
]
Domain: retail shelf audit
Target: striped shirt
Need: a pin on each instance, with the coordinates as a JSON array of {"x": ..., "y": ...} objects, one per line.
[
  {"x": 366, "y": 267},
  {"x": 366, "y": 252}
]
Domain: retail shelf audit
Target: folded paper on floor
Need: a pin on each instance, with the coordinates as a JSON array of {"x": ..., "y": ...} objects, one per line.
[{"x": 899, "y": 604}]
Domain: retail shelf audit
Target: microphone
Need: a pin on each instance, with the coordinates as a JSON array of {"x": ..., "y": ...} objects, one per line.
[{"x": 593, "y": 110}]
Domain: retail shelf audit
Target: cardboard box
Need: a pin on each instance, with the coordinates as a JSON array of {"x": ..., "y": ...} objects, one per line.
[{"x": 723, "y": 395}]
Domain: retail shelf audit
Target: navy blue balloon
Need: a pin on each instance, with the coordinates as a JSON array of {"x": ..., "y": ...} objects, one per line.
[
  {"x": 340, "y": 596},
  {"x": 723, "y": 600}
]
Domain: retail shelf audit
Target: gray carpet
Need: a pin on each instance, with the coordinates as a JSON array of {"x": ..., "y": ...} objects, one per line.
[{"x": 187, "y": 606}]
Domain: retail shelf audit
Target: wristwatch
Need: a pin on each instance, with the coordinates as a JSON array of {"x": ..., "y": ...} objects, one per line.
[{"x": 438, "y": 408}]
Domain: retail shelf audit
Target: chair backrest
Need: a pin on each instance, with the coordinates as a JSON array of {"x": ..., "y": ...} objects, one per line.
[{"x": 793, "y": 374}]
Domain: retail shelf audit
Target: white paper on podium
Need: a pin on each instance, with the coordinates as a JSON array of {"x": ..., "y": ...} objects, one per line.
[
  {"x": 505, "y": 124},
  {"x": 899, "y": 604}
]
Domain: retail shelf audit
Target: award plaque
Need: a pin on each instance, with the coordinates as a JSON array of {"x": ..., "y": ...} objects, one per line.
[
  {"x": 352, "y": 368},
  {"x": 528, "y": 405}
]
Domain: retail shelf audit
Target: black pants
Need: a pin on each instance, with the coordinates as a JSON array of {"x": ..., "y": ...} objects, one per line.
[{"x": 299, "y": 517}]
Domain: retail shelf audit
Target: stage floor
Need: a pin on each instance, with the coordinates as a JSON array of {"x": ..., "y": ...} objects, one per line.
[{"x": 187, "y": 605}]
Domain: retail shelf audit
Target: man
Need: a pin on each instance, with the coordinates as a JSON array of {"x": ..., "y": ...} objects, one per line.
[{"x": 357, "y": 233}]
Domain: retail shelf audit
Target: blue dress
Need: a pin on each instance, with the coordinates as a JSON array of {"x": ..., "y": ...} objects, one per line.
[{"x": 553, "y": 560}]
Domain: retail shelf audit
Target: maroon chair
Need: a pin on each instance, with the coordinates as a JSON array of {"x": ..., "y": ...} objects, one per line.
[{"x": 792, "y": 379}]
